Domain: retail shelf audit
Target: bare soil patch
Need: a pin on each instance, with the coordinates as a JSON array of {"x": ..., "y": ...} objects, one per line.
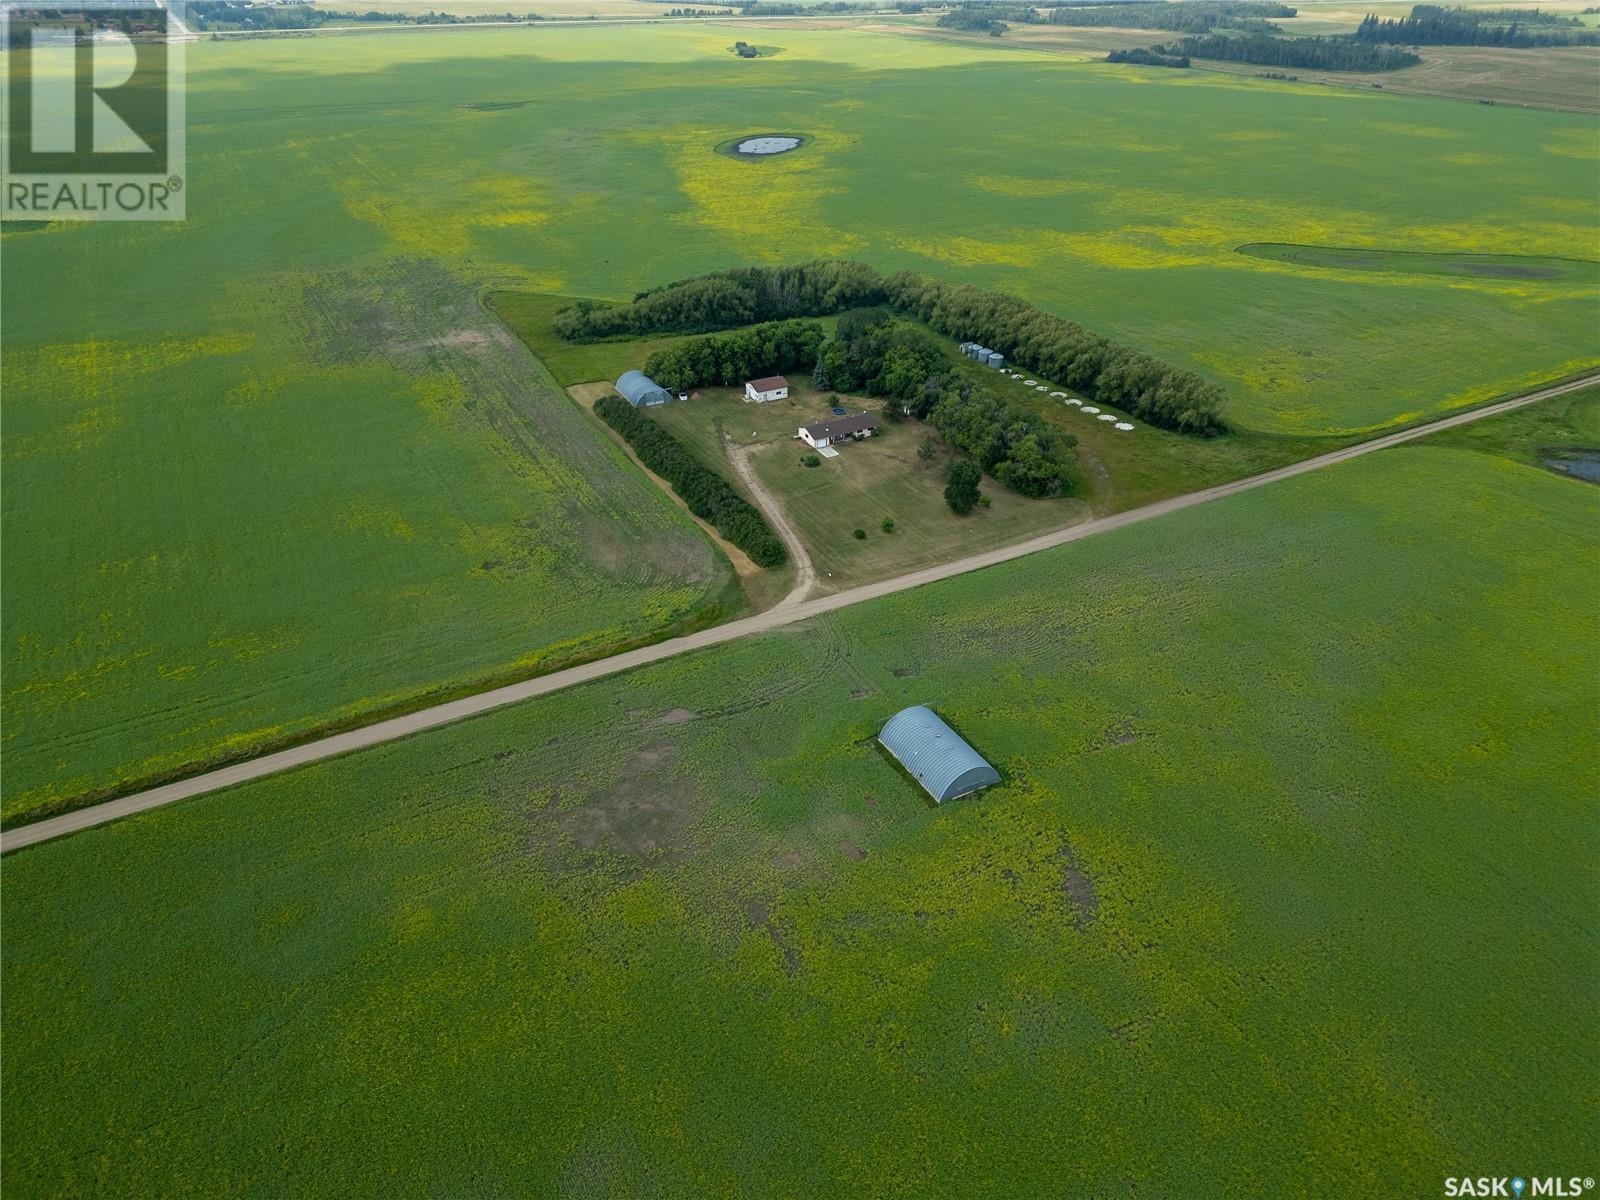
[{"x": 1080, "y": 891}]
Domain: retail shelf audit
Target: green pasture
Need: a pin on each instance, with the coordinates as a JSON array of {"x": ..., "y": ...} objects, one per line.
[
  {"x": 1261, "y": 852},
  {"x": 258, "y": 465}
]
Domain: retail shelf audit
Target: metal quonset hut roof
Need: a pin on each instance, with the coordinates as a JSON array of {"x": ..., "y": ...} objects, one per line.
[
  {"x": 935, "y": 754},
  {"x": 638, "y": 389}
]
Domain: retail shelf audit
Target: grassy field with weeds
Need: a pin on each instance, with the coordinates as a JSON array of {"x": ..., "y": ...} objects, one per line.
[{"x": 1296, "y": 816}]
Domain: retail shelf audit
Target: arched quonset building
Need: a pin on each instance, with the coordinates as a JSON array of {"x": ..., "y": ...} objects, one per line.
[
  {"x": 639, "y": 390},
  {"x": 936, "y": 755}
]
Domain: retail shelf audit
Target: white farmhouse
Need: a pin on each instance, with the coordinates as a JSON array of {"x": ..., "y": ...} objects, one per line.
[
  {"x": 773, "y": 387},
  {"x": 823, "y": 434}
]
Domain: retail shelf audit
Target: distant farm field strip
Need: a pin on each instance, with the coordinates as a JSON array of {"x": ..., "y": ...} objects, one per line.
[{"x": 1480, "y": 266}]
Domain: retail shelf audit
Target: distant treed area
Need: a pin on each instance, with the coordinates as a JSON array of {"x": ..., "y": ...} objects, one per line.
[
  {"x": 707, "y": 494},
  {"x": 1323, "y": 54},
  {"x": 727, "y": 299},
  {"x": 1373, "y": 46},
  {"x": 223, "y": 16},
  {"x": 1141, "y": 57},
  {"x": 1431, "y": 25},
  {"x": 1191, "y": 16},
  {"x": 1056, "y": 348}
]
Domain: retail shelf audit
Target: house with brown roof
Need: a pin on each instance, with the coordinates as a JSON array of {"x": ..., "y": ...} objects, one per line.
[{"x": 854, "y": 427}]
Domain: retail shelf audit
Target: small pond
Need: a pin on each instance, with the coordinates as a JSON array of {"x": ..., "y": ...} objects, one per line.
[{"x": 763, "y": 145}]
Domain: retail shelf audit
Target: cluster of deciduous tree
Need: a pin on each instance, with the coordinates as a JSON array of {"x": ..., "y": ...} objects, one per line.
[
  {"x": 1146, "y": 58},
  {"x": 729, "y": 358},
  {"x": 1318, "y": 53},
  {"x": 1058, "y": 349},
  {"x": 985, "y": 18},
  {"x": 706, "y": 493},
  {"x": 1190, "y": 16},
  {"x": 1048, "y": 345},
  {"x": 725, "y": 299},
  {"x": 1431, "y": 25},
  {"x": 1016, "y": 447},
  {"x": 873, "y": 353}
]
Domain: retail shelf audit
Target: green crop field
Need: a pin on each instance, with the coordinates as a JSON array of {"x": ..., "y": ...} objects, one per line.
[
  {"x": 1116, "y": 196},
  {"x": 275, "y": 468},
  {"x": 275, "y": 496},
  {"x": 1289, "y": 890}
]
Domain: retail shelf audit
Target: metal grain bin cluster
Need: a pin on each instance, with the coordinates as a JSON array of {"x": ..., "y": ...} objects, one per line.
[{"x": 983, "y": 354}]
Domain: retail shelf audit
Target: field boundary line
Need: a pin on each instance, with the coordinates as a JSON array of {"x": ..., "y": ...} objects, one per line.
[{"x": 473, "y": 705}]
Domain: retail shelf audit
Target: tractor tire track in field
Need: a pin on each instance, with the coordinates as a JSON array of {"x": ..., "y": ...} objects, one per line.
[{"x": 774, "y": 618}]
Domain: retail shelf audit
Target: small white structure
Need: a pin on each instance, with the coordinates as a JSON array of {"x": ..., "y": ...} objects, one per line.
[
  {"x": 773, "y": 387},
  {"x": 825, "y": 433},
  {"x": 1123, "y": 425}
]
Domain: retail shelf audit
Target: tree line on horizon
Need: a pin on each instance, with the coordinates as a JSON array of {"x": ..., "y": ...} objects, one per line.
[
  {"x": 1433, "y": 25},
  {"x": 1312, "y": 53},
  {"x": 1187, "y": 16}
]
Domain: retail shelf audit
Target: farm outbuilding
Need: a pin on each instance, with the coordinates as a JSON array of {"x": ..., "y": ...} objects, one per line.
[
  {"x": 764, "y": 391},
  {"x": 639, "y": 390},
  {"x": 936, "y": 755}
]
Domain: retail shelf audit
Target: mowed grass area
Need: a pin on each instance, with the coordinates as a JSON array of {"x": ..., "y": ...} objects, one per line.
[
  {"x": 1297, "y": 814},
  {"x": 869, "y": 480},
  {"x": 529, "y": 316},
  {"x": 884, "y": 476}
]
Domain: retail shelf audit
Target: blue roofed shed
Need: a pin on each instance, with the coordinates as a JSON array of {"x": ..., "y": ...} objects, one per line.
[
  {"x": 936, "y": 755},
  {"x": 639, "y": 390}
]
